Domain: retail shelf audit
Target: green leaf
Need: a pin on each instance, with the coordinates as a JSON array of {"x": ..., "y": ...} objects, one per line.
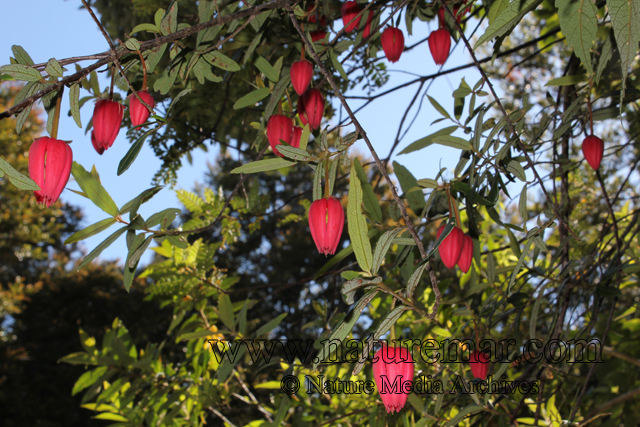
[
  {"x": 74, "y": 96},
  {"x": 382, "y": 247},
  {"x": 94, "y": 190},
  {"x": 264, "y": 165},
  {"x": 407, "y": 182},
  {"x": 414, "y": 280},
  {"x": 54, "y": 68},
  {"x": 358, "y": 223},
  {"x": 579, "y": 23},
  {"x": 178, "y": 241},
  {"x": 225, "y": 310},
  {"x": 21, "y": 55},
  {"x": 132, "y": 44},
  {"x": 507, "y": 19},
  {"x": 252, "y": 47},
  {"x": 111, "y": 417},
  {"x": 304, "y": 138},
  {"x": 337, "y": 65},
  {"x": 427, "y": 140},
  {"x": 91, "y": 230},
  {"x": 438, "y": 107},
  {"x": 567, "y": 80},
  {"x": 278, "y": 91},
  {"x": 317, "y": 180},
  {"x": 427, "y": 183},
  {"x": 265, "y": 67},
  {"x": 218, "y": 59},
  {"x": 605, "y": 55},
  {"x": 268, "y": 327},
  {"x": 453, "y": 141},
  {"x": 522, "y": 203},
  {"x": 141, "y": 198},
  {"x": 471, "y": 409},
  {"x": 371, "y": 203},
  {"x": 129, "y": 272},
  {"x": 88, "y": 378},
  {"x": 101, "y": 247},
  {"x": 351, "y": 286},
  {"x": 294, "y": 153},
  {"x": 519, "y": 264},
  {"x": 133, "y": 152},
  {"x": 145, "y": 27},
  {"x": 21, "y": 181},
  {"x": 169, "y": 23},
  {"x": 341, "y": 255},
  {"x": 251, "y": 98},
  {"x": 516, "y": 168},
  {"x": 168, "y": 214},
  {"x": 626, "y": 28},
  {"x": 496, "y": 9},
  {"x": 21, "y": 72}
]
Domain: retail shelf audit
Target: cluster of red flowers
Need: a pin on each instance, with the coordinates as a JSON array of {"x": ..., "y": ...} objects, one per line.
[{"x": 50, "y": 159}]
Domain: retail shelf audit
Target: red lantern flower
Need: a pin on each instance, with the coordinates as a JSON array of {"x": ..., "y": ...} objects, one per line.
[
  {"x": 295, "y": 138},
  {"x": 479, "y": 363},
  {"x": 439, "y": 45},
  {"x": 451, "y": 247},
  {"x": 313, "y": 18},
  {"x": 326, "y": 221},
  {"x": 137, "y": 111},
  {"x": 367, "y": 25},
  {"x": 317, "y": 35},
  {"x": 350, "y": 10},
  {"x": 466, "y": 256},
  {"x": 593, "y": 148},
  {"x": 311, "y": 108},
  {"x": 279, "y": 128},
  {"x": 107, "y": 118},
  {"x": 301, "y": 73},
  {"x": 50, "y": 166},
  {"x": 388, "y": 364},
  {"x": 392, "y": 43},
  {"x": 98, "y": 148}
]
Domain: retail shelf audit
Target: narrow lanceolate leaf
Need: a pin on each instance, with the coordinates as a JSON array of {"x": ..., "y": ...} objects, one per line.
[
  {"x": 294, "y": 153},
  {"x": 407, "y": 182},
  {"x": 567, "y": 80},
  {"x": 101, "y": 247},
  {"x": 266, "y": 68},
  {"x": 516, "y": 168},
  {"x": 21, "y": 181},
  {"x": 21, "y": 55},
  {"x": 439, "y": 107},
  {"x": 317, "y": 180},
  {"x": 507, "y": 20},
  {"x": 218, "y": 59},
  {"x": 133, "y": 152},
  {"x": 344, "y": 328},
  {"x": 579, "y": 23},
  {"x": 304, "y": 138},
  {"x": 453, "y": 141},
  {"x": 278, "y": 91},
  {"x": 605, "y": 56},
  {"x": 371, "y": 204},
  {"x": 91, "y": 230},
  {"x": 522, "y": 203},
  {"x": 382, "y": 247},
  {"x": 414, "y": 280},
  {"x": 264, "y": 165},
  {"x": 74, "y": 96},
  {"x": 428, "y": 183},
  {"x": 497, "y": 7},
  {"x": 93, "y": 189},
  {"x": 129, "y": 272},
  {"x": 358, "y": 223},
  {"x": 626, "y": 28},
  {"x": 54, "y": 68},
  {"x": 519, "y": 264},
  {"x": 351, "y": 286},
  {"x": 341, "y": 255},
  {"x": 470, "y": 409},
  {"x": 225, "y": 310},
  {"x": 333, "y": 171},
  {"x": 21, "y": 72},
  {"x": 251, "y": 98}
]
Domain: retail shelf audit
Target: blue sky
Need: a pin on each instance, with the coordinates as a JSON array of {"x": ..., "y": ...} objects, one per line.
[{"x": 60, "y": 29}]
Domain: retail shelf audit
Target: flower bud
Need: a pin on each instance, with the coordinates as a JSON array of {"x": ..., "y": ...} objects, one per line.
[
  {"x": 350, "y": 10},
  {"x": 479, "y": 363},
  {"x": 439, "y": 45},
  {"x": 593, "y": 148},
  {"x": 466, "y": 256},
  {"x": 301, "y": 73},
  {"x": 326, "y": 221},
  {"x": 389, "y": 362},
  {"x": 279, "y": 128},
  {"x": 295, "y": 138},
  {"x": 311, "y": 108},
  {"x": 392, "y": 43},
  {"x": 107, "y": 119},
  {"x": 451, "y": 247},
  {"x": 98, "y": 148},
  {"x": 137, "y": 111},
  {"x": 50, "y": 163}
]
